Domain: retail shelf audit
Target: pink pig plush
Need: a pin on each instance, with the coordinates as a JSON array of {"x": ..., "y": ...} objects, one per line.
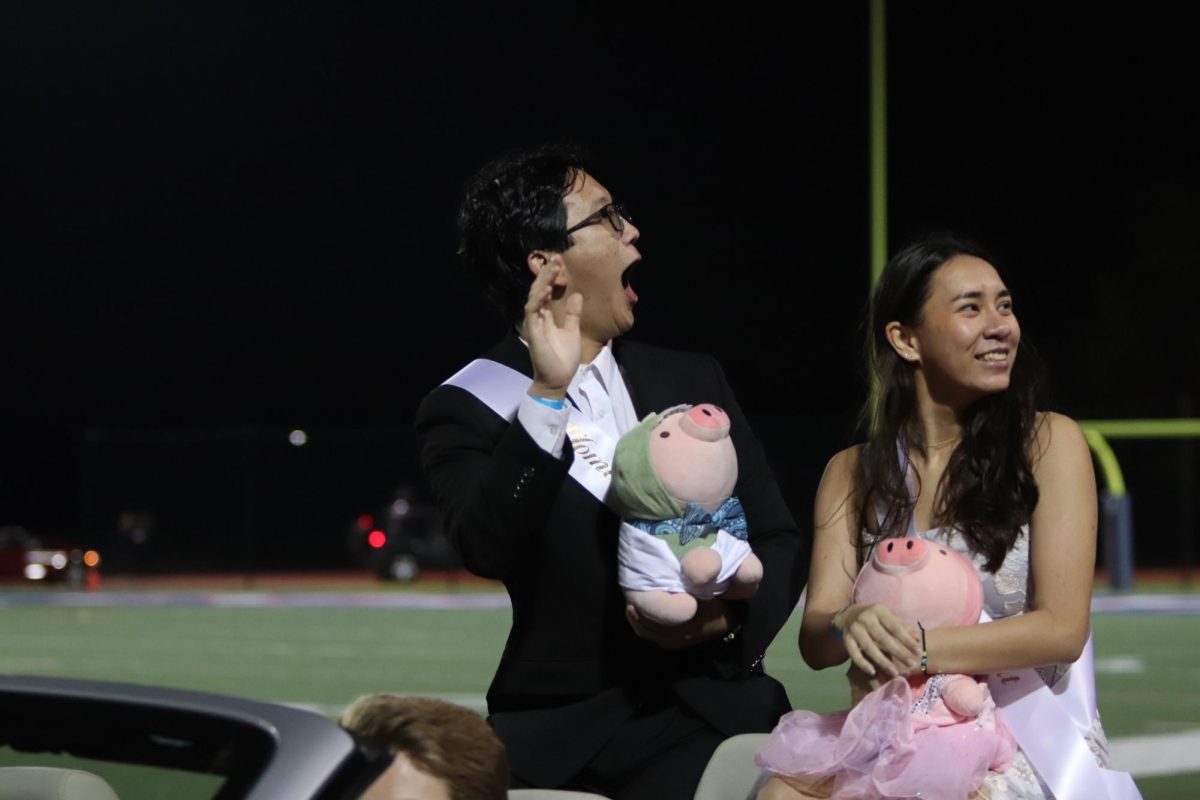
[
  {"x": 923, "y": 736},
  {"x": 683, "y": 535}
]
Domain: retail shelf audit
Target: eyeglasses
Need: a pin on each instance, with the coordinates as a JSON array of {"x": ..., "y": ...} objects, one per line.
[{"x": 615, "y": 213}]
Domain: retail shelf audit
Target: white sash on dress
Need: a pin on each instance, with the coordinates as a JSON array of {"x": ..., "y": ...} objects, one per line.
[
  {"x": 1050, "y": 725},
  {"x": 501, "y": 388}
]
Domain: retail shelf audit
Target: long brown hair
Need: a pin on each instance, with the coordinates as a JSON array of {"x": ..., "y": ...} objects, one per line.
[{"x": 987, "y": 491}]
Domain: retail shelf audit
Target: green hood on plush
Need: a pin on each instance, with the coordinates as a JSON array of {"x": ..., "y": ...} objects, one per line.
[{"x": 637, "y": 491}]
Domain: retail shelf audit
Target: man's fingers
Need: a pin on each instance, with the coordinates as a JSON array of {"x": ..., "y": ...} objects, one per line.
[
  {"x": 545, "y": 275},
  {"x": 540, "y": 289},
  {"x": 534, "y": 324},
  {"x": 573, "y": 310}
]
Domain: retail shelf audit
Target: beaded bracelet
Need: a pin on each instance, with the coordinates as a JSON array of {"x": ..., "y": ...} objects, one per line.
[{"x": 924, "y": 651}]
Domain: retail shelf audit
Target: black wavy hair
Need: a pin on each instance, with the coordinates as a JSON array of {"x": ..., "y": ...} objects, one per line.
[
  {"x": 987, "y": 491},
  {"x": 510, "y": 208}
]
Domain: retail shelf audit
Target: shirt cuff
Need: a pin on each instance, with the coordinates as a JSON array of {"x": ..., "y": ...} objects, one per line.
[{"x": 546, "y": 426}]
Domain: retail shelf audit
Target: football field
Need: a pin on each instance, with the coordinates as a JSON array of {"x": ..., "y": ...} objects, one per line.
[{"x": 321, "y": 649}]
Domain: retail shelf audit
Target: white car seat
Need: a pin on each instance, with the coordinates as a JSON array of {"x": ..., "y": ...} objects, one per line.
[{"x": 52, "y": 783}]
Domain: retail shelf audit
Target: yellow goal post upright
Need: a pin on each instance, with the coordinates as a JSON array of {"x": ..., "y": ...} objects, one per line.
[{"x": 1116, "y": 514}]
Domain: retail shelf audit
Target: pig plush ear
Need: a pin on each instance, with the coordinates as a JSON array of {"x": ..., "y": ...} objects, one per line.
[{"x": 636, "y": 491}]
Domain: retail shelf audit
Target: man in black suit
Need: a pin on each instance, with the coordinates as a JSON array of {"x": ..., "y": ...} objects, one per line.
[{"x": 588, "y": 695}]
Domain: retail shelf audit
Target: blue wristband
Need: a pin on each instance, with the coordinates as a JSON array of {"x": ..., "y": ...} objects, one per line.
[{"x": 557, "y": 405}]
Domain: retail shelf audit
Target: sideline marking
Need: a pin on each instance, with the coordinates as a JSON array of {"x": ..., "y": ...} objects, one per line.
[
  {"x": 1120, "y": 665},
  {"x": 102, "y": 598},
  {"x": 1158, "y": 754},
  {"x": 1146, "y": 604},
  {"x": 1101, "y": 604}
]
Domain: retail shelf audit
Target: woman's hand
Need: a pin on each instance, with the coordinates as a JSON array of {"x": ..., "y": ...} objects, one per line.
[{"x": 877, "y": 640}]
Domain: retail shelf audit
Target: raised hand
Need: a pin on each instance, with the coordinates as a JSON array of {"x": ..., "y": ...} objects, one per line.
[{"x": 554, "y": 349}]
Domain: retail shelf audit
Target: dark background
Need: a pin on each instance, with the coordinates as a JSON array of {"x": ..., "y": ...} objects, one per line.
[{"x": 223, "y": 224}]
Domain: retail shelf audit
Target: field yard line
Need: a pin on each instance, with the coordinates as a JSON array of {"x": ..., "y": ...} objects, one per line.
[
  {"x": 1159, "y": 754},
  {"x": 1146, "y": 604},
  {"x": 223, "y": 599},
  {"x": 1101, "y": 604}
]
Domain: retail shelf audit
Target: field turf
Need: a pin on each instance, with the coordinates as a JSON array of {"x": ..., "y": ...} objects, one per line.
[{"x": 1148, "y": 665}]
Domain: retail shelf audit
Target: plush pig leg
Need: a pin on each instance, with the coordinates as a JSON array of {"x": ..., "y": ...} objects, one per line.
[
  {"x": 700, "y": 566},
  {"x": 745, "y": 581},
  {"x": 665, "y": 608},
  {"x": 964, "y": 695}
]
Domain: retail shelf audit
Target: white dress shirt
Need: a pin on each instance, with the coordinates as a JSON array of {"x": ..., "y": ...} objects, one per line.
[{"x": 597, "y": 391}]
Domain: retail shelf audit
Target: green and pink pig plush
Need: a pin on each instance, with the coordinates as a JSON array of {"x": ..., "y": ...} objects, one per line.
[{"x": 683, "y": 533}]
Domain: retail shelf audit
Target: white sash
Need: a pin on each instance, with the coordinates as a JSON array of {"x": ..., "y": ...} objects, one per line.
[
  {"x": 501, "y": 389},
  {"x": 1050, "y": 725}
]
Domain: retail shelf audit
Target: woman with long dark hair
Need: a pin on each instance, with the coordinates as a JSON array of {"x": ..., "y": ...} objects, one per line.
[{"x": 959, "y": 454}]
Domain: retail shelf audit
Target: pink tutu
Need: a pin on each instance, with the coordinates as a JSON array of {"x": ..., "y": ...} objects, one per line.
[{"x": 883, "y": 749}]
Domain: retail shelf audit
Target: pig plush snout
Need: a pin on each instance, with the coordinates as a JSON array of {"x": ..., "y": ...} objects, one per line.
[
  {"x": 694, "y": 457},
  {"x": 897, "y": 556},
  {"x": 920, "y": 580},
  {"x": 705, "y": 422}
]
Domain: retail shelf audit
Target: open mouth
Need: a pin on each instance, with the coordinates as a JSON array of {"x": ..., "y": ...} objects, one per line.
[{"x": 630, "y": 294}]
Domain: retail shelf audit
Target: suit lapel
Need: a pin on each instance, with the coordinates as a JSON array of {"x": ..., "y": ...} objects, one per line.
[{"x": 638, "y": 374}]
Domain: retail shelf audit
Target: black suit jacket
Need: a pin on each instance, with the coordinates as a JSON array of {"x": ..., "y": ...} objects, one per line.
[{"x": 572, "y": 669}]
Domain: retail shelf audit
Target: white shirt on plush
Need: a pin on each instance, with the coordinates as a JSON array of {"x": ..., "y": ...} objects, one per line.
[{"x": 599, "y": 393}]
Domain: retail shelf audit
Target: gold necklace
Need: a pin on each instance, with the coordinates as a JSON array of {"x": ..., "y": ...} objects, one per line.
[{"x": 941, "y": 444}]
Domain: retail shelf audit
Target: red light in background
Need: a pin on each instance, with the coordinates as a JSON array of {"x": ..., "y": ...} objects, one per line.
[
  {"x": 365, "y": 522},
  {"x": 377, "y": 539}
]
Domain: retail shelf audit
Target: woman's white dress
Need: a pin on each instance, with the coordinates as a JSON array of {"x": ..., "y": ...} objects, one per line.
[{"x": 1006, "y": 593}]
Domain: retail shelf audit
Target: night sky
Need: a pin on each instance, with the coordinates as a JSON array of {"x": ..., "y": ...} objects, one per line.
[{"x": 223, "y": 224}]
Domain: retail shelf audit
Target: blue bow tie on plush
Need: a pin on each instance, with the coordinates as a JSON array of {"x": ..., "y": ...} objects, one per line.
[{"x": 696, "y": 522}]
